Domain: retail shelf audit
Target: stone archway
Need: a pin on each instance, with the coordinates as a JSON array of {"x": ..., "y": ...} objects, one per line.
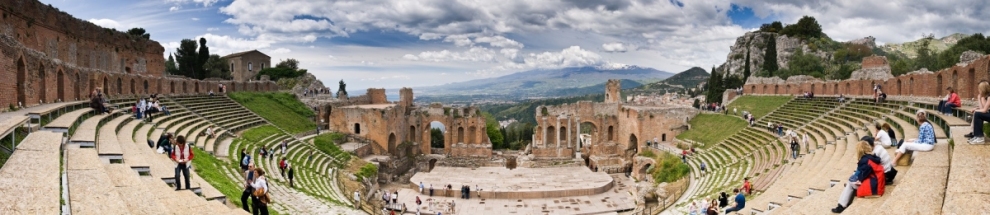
[
  {"x": 60, "y": 84},
  {"x": 357, "y": 128},
  {"x": 146, "y": 86},
  {"x": 133, "y": 87},
  {"x": 971, "y": 84},
  {"x": 633, "y": 143},
  {"x": 644, "y": 171},
  {"x": 196, "y": 85},
  {"x": 472, "y": 137},
  {"x": 433, "y": 163},
  {"x": 611, "y": 132},
  {"x": 185, "y": 90},
  {"x": 551, "y": 135},
  {"x": 460, "y": 134},
  {"x": 77, "y": 85},
  {"x": 563, "y": 134},
  {"x": 938, "y": 83},
  {"x": 120, "y": 87},
  {"x": 435, "y": 135},
  {"x": 171, "y": 85},
  {"x": 392, "y": 144},
  {"x": 106, "y": 86},
  {"x": 412, "y": 133},
  {"x": 21, "y": 82},
  {"x": 42, "y": 83}
]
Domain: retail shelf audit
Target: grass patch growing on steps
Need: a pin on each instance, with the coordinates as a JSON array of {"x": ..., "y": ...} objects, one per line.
[
  {"x": 668, "y": 168},
  {"x": 327, "y": 143},
  {"x": 759, "y": 106},
  {"x": 282, "y": 109},
  {"x": 709, "y": 129}
]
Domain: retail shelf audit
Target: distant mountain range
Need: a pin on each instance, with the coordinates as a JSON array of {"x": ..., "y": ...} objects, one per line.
[
  {"x": 684, "y": 80},
  {"x": 543, "y": 83}
]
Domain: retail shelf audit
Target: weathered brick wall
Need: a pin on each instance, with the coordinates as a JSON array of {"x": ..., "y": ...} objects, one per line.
[
  {"x": 47, "y": 55},
  {"x": 963, "y": 78}
]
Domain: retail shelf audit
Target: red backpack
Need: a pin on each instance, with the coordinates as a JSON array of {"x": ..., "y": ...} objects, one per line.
[
  {"x": 873, "y": 185},
  {"x": 282, "y": 164}
]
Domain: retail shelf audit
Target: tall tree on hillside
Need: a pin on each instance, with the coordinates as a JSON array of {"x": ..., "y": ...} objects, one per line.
[
  {"x": 806, "y": 28},
  {"x": 341, "y": 89},
  {"x": 746, "y": 71},
  {"x": 203, "y": 56},
  {"x": 290, "y": 63},
  {"x": 170, "y": 67},
  {"x": 770, "y": 58},
  {"x": 926, "y": 57},
  {"x": 187, "y": 58},
  {"x": 139, "y": 32}
]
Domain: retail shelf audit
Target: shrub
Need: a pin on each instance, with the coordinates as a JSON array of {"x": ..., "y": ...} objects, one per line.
[{"x": 367, "y": 171}]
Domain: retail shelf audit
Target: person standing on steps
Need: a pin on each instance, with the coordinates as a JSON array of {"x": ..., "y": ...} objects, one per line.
[
  {"x": 794, "y": 147},
  {"x": 281, "y": 166},
  {"x": 291, "y": 174},
  {"x": 182, "y": 154},
  {"x": 260, "y": 198},
  {"x": 357, "y": 199},
  {"x": 248, "y": 189}
]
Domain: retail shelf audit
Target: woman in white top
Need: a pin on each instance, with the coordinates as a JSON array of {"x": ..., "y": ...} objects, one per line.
[
  {"x": 260, "y": 182},
  {"x": 882, "y": 137}
]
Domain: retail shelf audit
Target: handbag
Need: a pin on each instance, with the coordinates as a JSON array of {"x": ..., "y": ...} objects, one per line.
[{"x": 262, "y": 195}]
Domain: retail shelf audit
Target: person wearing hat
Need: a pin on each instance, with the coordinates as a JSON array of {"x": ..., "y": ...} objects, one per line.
[{"x": 888, "y": 163}]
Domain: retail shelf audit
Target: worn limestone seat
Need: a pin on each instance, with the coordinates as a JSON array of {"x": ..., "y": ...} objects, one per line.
[
  {"x": 10, "y": 124},
  {"x": 51, "y": 109},
  {"x": 29, "y": 179},
  {"x": 89, "y": 185},
  {"x": 85, "y": 135},
  {"x": 108, "y": 146},
  {"x": 64, "y": 122}
]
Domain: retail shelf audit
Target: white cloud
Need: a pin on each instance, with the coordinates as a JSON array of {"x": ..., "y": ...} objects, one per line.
[
  {"x": 173, "y": 9},
  {"x": 205, "y": 3},
  {"x": 510, "y": 53},
  {"x": 499, "y": 41},
  {"x": 572, "y": 56},
  {"x": 474, "y": 54},
  {"x": 223, "y": 44},
  {"x": 331, "y": 57},
  {"x": 212, "y": 29},
  {"x": 614, "y": 47},
  {"x": 195, "y": 19},
  {"x": 106, "y": 23},
  {"x": 281, "y": 51}
]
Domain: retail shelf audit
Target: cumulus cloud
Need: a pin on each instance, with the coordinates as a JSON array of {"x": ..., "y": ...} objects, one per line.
[
  {"x": 572, "y": 56},
  {"x": 195, "y": 19},
  {"x": 173, "y": 8},
  {"x": 614, "y": 47},
  {"x": 224, "y": 44},
  {"x": 106, "y": 23}
]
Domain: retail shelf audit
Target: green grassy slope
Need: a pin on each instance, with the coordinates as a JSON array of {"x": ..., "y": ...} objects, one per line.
[
  {"x": 758, "y": 105},
  {"x": 282, "y": 109},
  {"x": 708, "y": 129}
]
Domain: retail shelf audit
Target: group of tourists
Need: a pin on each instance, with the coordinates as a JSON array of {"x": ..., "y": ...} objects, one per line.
[
  {"x": 255, "y": 188},
  {"x": 313, "y": 92},
  {"x": 98, "y": 101},
  {"x": 721, "y": 203},
  {"x": 146, "y": 107},
  {"x": 714, "y": 107},
  {"x": 809, "y": 95}
]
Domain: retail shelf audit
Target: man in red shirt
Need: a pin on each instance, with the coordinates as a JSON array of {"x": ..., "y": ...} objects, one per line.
[
  {"x": 951, "y": 101},
  {"x": 181, "y": 155},
  {"x": 747, "y": 187}
]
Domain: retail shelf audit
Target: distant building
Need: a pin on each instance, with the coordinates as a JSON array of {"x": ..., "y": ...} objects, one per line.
[{"x": 245, "y": 65}]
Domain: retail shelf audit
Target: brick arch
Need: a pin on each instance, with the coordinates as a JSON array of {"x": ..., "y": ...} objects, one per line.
[
  {"x": 970, "y": 84},
  {"x": 171, "y": 85},
  {"x": 911, "y": 83},
  {"x": 955, "y": 81},
  {"x": 185, "y": 90},
  {"x": 106, "y": 85},
  {"x": 42, "y": 83},
  {"x": 196, "y": 85},
  {"x": 60, "y": 84},
  {"x": 21, "y": 82},
  {"x": 776, "y": 89},
  {"x": 900, "y": 88},
  {"x": 120, "y": 87},
  {"x": 145, "y": 85},
  {"x": 77, "y": 84}
]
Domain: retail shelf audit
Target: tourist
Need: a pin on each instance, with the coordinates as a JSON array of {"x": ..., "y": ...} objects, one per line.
[
  {"x": 984, "y": 104},
  {"x": 420, "y": 188},
  {"x": 209, "y": 132},
  {"x": 865, "y": 181},
  {"x": 888, "y": 163},
  {"x": 395, "y": 197},
  {"x": 211, "y": 93},
  {"x": 926, "y": 137},
  {"x": 150, "y": 109},
  {"x": 952, "y": 101},
  {"x": 418, "y": 202},
  {"x": 893, "y": 137},
  {"x": 693, "y": 209},
  {"x": 285, "y": 146},
  {"x": 96, "y": 102},
  {"x": 245, "y": 161},
  {"x": 260, "y": 195},
  {"x": 780, "y": 129},
  {"x": 770, "y": 126},
  {"x": 357, "y": 199},
  {"x": 747, "y": 188},
  {"x": 842, "y": 98},
  {"x": 248, "y": 189},
  {"x": 165, "y": 143},
  {"x": 291, "y": 174},
  {"x": 271, "y": 153},
  {"x": 703, "y": 168},
  {"x": 713, "y": 207},
  {"x": 261, "y": 153},
  {"x": 740, "y": 202},
  {"x": 882, "y": 137},
  {"x": 281, "y": 166},
  {"x": 980, "y": 115},
  {"x": 182, "y": 155},
  {"x": 142, "y": 106},
  {"x": 794, "y": 146},
  {"x": 431, "y": 190},
  {"x": 877, "y": 90},
  {"x": 735, "y": 111},
  {"x": 723, "y": 200},
  {"x": 805, "y": 141},
  {"x": 220, "y": 88}
]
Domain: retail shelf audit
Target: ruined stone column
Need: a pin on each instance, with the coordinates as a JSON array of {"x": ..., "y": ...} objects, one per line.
[
  {"x": 577, "y": 129},
  {"x": 556, "y": 136},
  {"x": 569, "y": 131},
  {"x": 544, "y": 137}
]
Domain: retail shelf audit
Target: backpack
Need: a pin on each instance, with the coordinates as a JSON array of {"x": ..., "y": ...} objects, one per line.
[
  {"x": 246, "y": 161},
  {"x": 873, "y": 185},
  {"x": 281, "y": 164}
]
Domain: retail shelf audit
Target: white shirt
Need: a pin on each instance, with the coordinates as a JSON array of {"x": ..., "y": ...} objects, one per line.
[
  {"x": 885, "y": 159},
  {"x": 260, "y": 183},
  {"x": 142, "y": 105},
  {"x": 883, "y": 138}
]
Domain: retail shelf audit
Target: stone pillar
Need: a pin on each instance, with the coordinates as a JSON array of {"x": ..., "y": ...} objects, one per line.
[
  {"x": 544, "y": 137},
  {"x": 556, "y": 136},
  {"x": 569, "y": 131},
  {"x": 577, "y": 130}
]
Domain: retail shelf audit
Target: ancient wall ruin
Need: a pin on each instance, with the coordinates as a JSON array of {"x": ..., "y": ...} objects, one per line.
[
  {"x": 389, "y": 125},
  {"x": 615, "y": 131},
  {"x": 963, "y": 77},
  {"x": 47, "y": 56}
]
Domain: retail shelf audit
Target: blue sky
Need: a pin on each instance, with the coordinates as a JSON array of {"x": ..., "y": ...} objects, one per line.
[{"x": 410, "y": 43}]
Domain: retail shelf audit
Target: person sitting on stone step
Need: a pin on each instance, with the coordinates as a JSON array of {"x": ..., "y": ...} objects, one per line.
[
  {"x": 861, "y": 178},
  {"x": 889, "y": 171},
  {"x": 740, "y": 202},
  {"x": 980, "y": 114},
  {"x": 926, "y": 137}
]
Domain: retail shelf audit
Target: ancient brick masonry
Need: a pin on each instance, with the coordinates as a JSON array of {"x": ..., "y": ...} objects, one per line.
[
  {"x": 963, "y": 77},
  {"x": 614, "y": 131},
  {"x": 47, "y": 55},
  {"x": 401, "y": 128}
]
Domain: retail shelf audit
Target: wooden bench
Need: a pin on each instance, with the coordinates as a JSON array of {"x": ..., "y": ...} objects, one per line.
[{"x": 29, "y": 180}]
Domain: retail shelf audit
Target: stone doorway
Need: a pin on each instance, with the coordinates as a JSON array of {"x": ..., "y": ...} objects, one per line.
[{"x": 21, "y": 83}]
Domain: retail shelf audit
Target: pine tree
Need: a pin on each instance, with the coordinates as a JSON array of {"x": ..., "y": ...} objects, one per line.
[
  {"x": 770, "y": 58},
  {"x": 202, "y": 57},
  {"x": 746, "y": 71},
  {"x": 170, "y": 67}
]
